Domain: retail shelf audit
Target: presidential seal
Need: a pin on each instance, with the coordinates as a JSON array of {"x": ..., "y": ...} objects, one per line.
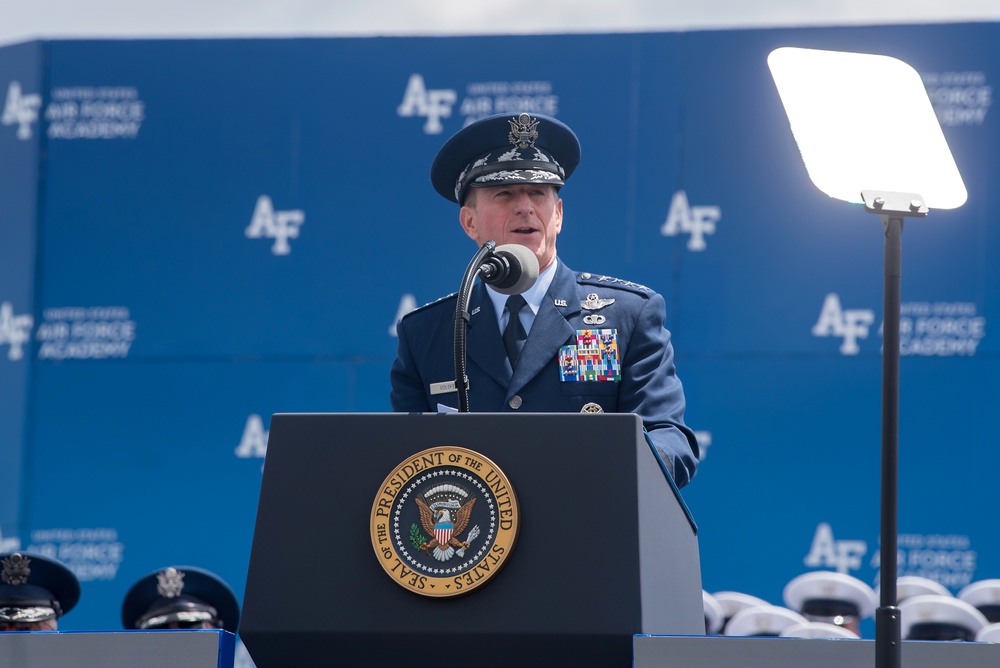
[{"x": 444, "y": 522}]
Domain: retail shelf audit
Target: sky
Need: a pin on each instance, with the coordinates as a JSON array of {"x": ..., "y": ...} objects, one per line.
[{"x": 24, "y": 20}]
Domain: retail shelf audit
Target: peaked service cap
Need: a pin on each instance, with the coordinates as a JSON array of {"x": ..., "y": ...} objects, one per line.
[
  {"x": 183, "y": 594},
  {"x": 34, "y": 588},
  {"x": 505, "y": 149}
]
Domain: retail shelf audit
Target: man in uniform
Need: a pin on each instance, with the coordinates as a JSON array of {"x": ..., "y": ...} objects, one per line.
[
  {"x": 577, "y": 341},
  {"x": 833, "y": 598},
  {"x": 35, "y": 592},
  {"x": 181, "y": 597}
]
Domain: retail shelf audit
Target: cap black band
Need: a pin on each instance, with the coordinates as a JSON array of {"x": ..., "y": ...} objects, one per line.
[
  {"x": 939, "y": 631},
  {"x": 828, "y": 607}
]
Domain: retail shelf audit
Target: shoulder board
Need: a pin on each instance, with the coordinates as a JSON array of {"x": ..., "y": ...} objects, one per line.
[
  {"x": 428, "y": 305},
  {"x": 611, "y": 282}
]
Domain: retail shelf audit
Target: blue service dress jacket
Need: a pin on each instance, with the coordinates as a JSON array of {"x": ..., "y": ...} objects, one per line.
[{"x": 634, "y": 341}]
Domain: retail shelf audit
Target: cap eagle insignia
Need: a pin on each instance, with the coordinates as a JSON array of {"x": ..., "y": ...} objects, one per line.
[
  {"x": 523, "y": 131},
  {"x": 170, "y": 583},
  {"x": 16, "y": 569},
  {"x": 445, "y": 511}
]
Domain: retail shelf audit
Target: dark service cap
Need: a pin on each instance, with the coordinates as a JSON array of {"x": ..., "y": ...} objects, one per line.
[
  {"x": 34, "y": 588},
  {"x": 505, "y": 149},
  {"x": 183, "y": 595}
]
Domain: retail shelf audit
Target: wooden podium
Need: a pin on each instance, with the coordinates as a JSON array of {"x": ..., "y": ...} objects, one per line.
[{"x": 606, "y": 548}]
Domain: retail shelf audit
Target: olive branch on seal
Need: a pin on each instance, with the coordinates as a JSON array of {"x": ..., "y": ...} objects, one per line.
[{"x": 417, "y": 539}]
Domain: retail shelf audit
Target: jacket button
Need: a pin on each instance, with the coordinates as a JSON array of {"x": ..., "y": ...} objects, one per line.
[{"x": 515, "y": 402}]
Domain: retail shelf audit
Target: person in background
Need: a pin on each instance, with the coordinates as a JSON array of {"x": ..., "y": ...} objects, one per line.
[
  {"x": 181, "y": 597},
  {"x": 833, "y": 598},
  {"x": 35, "y": 591}
]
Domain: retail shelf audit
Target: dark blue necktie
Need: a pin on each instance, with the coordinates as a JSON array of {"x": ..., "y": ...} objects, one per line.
[{"x": 514, "y": 335}]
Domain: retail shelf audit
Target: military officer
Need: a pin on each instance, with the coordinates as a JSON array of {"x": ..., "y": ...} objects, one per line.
[
  {"x": 181, "y": 597},
  {"x": 936, "y": 617},
  {"x": 35, "y": 592},
  {"x": 764, "y": 620},
  {"x": 833, "y": 598},
  {"x": 984, "y": 596},
  {"x": 578, "y": 341}
]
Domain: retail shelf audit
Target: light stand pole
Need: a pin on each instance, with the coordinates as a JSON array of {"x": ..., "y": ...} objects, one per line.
[
  {"x": 891, "y": 208},
  {"x": 848, "y": 143}
]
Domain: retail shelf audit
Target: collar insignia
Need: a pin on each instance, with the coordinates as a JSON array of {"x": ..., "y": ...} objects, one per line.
[
  {"x": 523, "y": 131},
  {"x": 15, "y": 569},
  {"x": 170, "y": 583},
  {"x": 594, "y": 303}
]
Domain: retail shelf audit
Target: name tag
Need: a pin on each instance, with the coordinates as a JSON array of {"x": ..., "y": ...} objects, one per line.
[{"x": 443, "y": 388}]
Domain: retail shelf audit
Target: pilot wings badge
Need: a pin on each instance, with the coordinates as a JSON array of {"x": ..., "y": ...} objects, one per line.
[
  {"x": 444, "y": 521},
  {"x": 595, "y": 303}
]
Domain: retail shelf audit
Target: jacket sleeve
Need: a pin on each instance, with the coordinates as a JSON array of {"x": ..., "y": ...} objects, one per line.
[
  {"x": 407, "y": 393},
  {"x": 651, "y": 389}
]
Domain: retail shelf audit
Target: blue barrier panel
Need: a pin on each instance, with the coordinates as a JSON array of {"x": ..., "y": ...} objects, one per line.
[{"x": 20, "y": 109}]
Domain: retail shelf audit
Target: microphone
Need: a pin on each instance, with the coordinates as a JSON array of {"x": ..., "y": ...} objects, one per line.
[{"x": 510, "y": 269}]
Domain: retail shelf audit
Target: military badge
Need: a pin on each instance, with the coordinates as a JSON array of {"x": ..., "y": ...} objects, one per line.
[
  {"x": 595, "y": 303},
  {"x": 16, "y": 569},
  {"x": 444, "y": 522},
  {"x": 169, "y": 583},
  {"x": 523, "y": 131},
  {"x": 594, "y": 357}
]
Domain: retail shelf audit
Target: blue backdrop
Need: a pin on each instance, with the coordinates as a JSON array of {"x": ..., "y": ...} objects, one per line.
[{"x": 199, "y": 234}]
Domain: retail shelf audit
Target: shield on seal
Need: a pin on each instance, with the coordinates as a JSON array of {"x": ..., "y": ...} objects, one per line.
[{"x": 442, "y": 532}]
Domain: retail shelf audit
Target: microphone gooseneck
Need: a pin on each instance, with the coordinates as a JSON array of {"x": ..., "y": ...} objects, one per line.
[{"x": 510, "y": 269}]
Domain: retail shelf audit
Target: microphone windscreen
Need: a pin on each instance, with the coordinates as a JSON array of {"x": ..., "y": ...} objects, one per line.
[{"x": 526, "y": 261}]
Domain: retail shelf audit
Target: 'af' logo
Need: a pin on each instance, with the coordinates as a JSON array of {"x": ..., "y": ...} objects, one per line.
[
  {"x": 14, "y": 329},
  {"x": 842, "y": 555},
  {"x": 696, "y": 220},
  {"x": 20, "y": 109},
  {"x": 406, "y": 304},
  {"x": 430, "y": 104},
  {"x": 851, "y": 324},
  {"x": 254, "y": 440},
  {"x": 278, "y": 225}
]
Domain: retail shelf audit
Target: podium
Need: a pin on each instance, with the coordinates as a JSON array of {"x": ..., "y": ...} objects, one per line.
[{"x": 606, "y": 548}]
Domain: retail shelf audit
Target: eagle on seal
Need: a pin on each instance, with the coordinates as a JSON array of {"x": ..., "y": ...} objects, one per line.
[{"x": 443, "y": 523}]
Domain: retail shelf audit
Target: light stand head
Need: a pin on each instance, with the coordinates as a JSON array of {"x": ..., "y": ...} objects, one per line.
[{"x": 865, "y": 122}]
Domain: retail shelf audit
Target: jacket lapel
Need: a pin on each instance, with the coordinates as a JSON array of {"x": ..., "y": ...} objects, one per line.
[
  {"x": 550, "y": 329},
  {"x": 484, "y": 344}
]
